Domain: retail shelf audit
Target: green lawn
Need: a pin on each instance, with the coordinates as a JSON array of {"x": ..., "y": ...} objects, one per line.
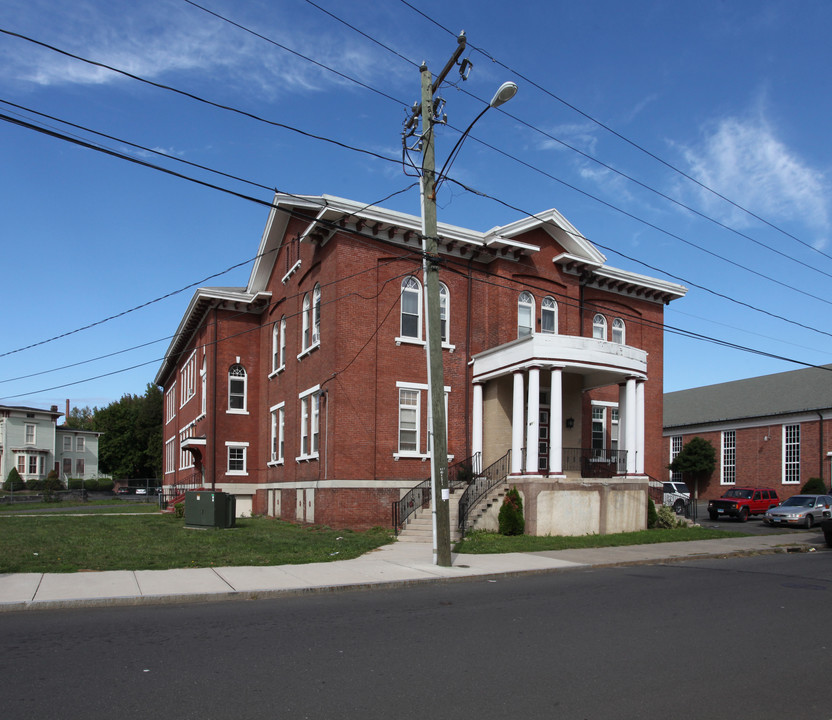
[
  {"x": 486, "y": 542},
  {"x": 56, "y": 543}
]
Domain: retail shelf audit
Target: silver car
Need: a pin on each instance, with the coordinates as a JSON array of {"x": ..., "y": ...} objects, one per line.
[{"x": 805, "y": 510}]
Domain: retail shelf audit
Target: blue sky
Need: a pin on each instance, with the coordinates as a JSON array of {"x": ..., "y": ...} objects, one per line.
[{"x": 730, "y": 101}]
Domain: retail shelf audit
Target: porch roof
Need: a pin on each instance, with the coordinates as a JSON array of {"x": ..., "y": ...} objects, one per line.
[{"x": 598, "y": 361}]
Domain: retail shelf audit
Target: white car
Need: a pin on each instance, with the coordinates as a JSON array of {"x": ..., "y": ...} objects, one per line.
[{"x": 676, "y": 495}]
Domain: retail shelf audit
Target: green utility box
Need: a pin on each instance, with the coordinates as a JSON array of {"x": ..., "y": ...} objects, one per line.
[{"x": 206, "y": 508}]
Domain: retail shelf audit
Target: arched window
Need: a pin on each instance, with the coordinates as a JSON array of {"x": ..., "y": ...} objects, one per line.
[
  {"x": 525, "y": 314},
  {"x": 307, "y": 326},
  {"x": 275, "y": 346},
  {"x": 411, "y": 321},
  {"x": 237, "y": 381},
  {"x": 316, "y": 314},
  {"x": 282, "y": 358},
  {"x": 619, "y": 332},
  {"x": 444, "y": 306},
  {"x": 549, "y": 316},
  {"x": 599, "y": 327},
  {"x": 203, "y": 386}
]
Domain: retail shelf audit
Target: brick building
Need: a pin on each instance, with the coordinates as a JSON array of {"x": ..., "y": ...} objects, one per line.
[
  {"x": 772, "y": 431},
  {"x": 304, "y": 393}
]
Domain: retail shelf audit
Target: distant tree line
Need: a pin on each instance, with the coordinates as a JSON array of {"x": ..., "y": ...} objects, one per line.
[{"x": 131, "y": 443}]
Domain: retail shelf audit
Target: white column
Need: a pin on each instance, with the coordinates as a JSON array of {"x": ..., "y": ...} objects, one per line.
[
  {"x": 556, "y": 423},
  {"x": 622, "y": 418},
  {"x": 640, "y": 427},
  {"x": 533, "y": 422},
  {"x": 476, "y": 429},
  {"x": 630, "y": 424},
  {"x": 517, "y": 425}
]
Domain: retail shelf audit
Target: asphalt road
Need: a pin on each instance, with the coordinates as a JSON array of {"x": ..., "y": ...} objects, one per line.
[{"x": 730, "y": 638}]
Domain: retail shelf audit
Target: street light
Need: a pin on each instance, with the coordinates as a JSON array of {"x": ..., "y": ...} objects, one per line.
[{"x": 436, "y": 377}]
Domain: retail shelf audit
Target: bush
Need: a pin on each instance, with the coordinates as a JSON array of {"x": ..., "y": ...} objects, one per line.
[
  {"x": 14, "y": 482},
  {"x": 652, "y": 515},
  {"x": 35, "y": 484},
  {"x": 814, "y": 486},
  {"x": 106, "y": 484},
  {"x": 75, "y": 484},
  {"x": 511, "y": 520},
  {"x": 91, "y": 484},
  {"x": 666, "y": 518},
  {"x": 179, "y": 510}
]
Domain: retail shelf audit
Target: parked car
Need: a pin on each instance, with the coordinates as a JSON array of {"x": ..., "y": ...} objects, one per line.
[
  {"x": 141, "y": 491},
  {"x": 124, "y": 491},
  {"x": 676, "y": 495},
  {"x": 740, "y": 502},
  {"x": 804, "y": 510}
]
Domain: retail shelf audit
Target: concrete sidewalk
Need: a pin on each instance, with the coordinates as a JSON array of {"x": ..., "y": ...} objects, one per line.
[{"x": 394, "y": 565}]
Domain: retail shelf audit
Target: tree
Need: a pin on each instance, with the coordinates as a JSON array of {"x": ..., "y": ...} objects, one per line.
[
  {"x": 81, "y": 418},
  {"x": 696, "y": 461}
]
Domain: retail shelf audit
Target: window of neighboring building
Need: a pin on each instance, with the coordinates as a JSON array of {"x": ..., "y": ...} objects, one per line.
[
  {"x": 411, "y": 309},
  {"x": 277, "y": 424},
  {"x": 618, "y": 331},
  {"x": 409, "y": 420},
  {"x": 791, "y": 453},
  {"x": 170, "y": 403},
  {"x": 21, "y": 464},
  {"x": 599, "y": 327},
  {"x": 67, "y": 443},
  {"x": 67, "y": 466},
  {"x": 310, "y": 407},
  {"x": 237, "y": 456},
  {"x": 80, "y": 443},
  {"x": 79, "y": 467},
  {"x": 444, "y": 306},
  {"x": 30, "y": 434},
  {"x": 729, "y": 457},
  {"x": 525, "y": 314},
  {"x": 237, "y": 382},
  {"x": 675, "y": 449},
  {"x": 548, "y": 316},
  {"x": 33, "y": 465}
]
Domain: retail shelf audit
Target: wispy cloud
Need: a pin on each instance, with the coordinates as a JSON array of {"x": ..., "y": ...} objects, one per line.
[{"x": 745, "y": 161}]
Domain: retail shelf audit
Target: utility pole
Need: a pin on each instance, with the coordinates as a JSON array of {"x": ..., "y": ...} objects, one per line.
[{"x": 436, "y": 374}]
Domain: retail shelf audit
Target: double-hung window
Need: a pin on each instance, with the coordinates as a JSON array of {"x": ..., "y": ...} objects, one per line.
[
  {"x": 237, "y": 383},
  {"x": 525, "y": 314},
  {"x": 411, "y": 309},
  {"x": 549, "y": 316},
  {"x": 310, "y": 410},
  {"x": 237, "y": 458},
  {"x": 277, "y": 433},
  {"x": 599, "y": 327},
  {"x": 409, "y": 420},
  {"x": 618, "y": 331},
  {"x": 30, "y": 434},
  {"x": 444, "y": 307}
]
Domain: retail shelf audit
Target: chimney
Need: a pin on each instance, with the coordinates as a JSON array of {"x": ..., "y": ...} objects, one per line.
[{"x": 66, "y": 417}]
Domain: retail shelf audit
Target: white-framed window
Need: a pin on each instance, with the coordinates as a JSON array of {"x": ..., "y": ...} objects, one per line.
[
  {"x": 411, "y": 309},
  {"x": 80, "y": 443},
  {"x": 614, "y": 428},
  {"x": 283, "y": 341},
  {"x": 170, "y": 456},
  {"x": 525, "y": 314},
  {"x": 67, "y": 443},
  {"x": 21, "y": 464},
  {"x": 33, "y": 465},
  {"x": 791, "y": 454},
  {"x": 170, "y": 403},
  {"x": 306, "y": 327},
  {"x": 311, "y": 321},
  {"x": 66, "y": 466},
  {"x": 599, "y": 327},
  {"x": 237, "y": 458},
  {"x": 237, "y": 385},
  {"x": 310, "y": 410},
  {"x": 187, "y": 379},
  {"x": 79, "y": 467},
  {"x": 675, "y": 449},
  {"x": 316, "y": 314},
  {"x": 186, "y": 459},
  {"x": 619, "y": 334},
  {"x": 409, "y": 421},
  {"x": 29, "y": 432},
  {"x": 444, "y": 307},
  {"x": 728, "y": 475},
  {"x": 203, "y": 386},
  {"x": 599, "y": 428},
  {"x": 276, "y": 347},
  {"x": 548, "y": 316},
  {"x": 277, "y": 418}
]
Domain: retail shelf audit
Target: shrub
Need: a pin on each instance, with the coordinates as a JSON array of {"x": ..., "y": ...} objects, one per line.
[
  {"x": 814, "y": 486},
  {"x": 511, "y": 520},
  {"x": 14, "y": 482},
  {"x": 35, "y": 484},
  {"x": 179, "y": 510},
  {"x": 90, "y": 484},
  {"x": 75, "y": 484},
  {"x": 105, "y": 484},
  {"x": 666, "y": 518},
  {"x": 652, "y": 515}
]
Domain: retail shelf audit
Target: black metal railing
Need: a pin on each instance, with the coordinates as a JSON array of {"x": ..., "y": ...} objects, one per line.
[
  {"x": 167, "y": 493},
  {"x": 459, "y": 475},
  {"x": 591, "y": 462},
  {"x": 480, "y": 486}
]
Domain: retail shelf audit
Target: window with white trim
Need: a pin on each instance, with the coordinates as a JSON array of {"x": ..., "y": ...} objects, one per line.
[
  {"x": 187, "y": 379},
  {"x": 275, "y": 347},
  {"x": 619, "y": 334},
  {"x": 29, "y": 434},
  {"x": 444, "y": 307},
  {"x": 614, "y": 428},
  {"x": 599, "y": 327},
  {"x": 80, "y": 443},
  {"x": 310, "y": 410},
  {"x": 675, "y": 449},
  {"x": 186, "y": 459},
  {"x": 316, "y": 314},
  {"x": 79, "y": 468},
  {"x": 791, "y": 454},
  {"x": 277, "y": 416},
  {"x": 66, "y": 465},
  {"x": 728, "y": 475},
  {"x": 170, "y": 456},
  {"x": 21, "y": 464},
  {"x": 237, "y": 458},
  {"x": 203, "y": 385},
  {"x": 411, "y": 309},
  {"x": 170, "y": 403},
  {"x": 409, "y": 420},
  {"x": 237, "y": 385},
  {"x": 67, "y": 443},
  {"x": 599, "y": 428},
  {"x": 306, "y": 325},
  {"x": 283, "y": 341},
  {"x": 33, "y": 465},
  {"x": 548, "y": 316},
  {"x": 525, "y": 314}
]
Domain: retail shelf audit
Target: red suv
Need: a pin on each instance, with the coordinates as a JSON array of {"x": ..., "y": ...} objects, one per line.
[{"x": 740, "y": 502}]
